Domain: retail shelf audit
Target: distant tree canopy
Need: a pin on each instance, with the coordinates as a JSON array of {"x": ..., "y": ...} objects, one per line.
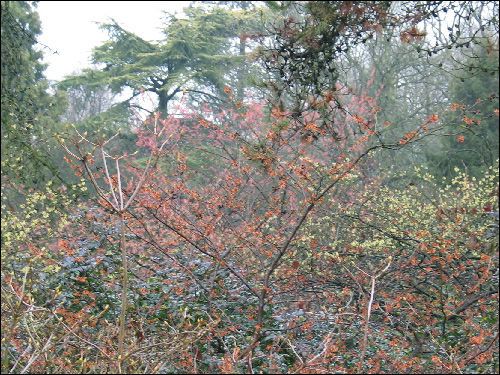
[
  {"x": 196, "y": 56},
  {"x": 474, "y": 140}
]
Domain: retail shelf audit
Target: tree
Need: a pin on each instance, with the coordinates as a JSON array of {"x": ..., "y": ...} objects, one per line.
[
  {"x": 474, "y": 88},
  {"x": 28, "y": 111},
  {"x": 194, "y": 57},
  {"x": 34, "y": 191},
  {"x": 84, "y": 103}
]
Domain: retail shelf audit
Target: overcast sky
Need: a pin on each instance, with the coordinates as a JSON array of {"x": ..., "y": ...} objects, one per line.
[{"x": 69, "y": 27}]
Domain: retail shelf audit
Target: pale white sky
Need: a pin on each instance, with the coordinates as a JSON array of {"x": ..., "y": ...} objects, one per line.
[{"x": 69, "y": 27}]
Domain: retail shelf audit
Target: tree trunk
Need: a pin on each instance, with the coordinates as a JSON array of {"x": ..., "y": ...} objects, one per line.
[
  {"x": 123, "y": 314},
  {"x": 163, "y": 104},
  {"x": 241, "y": 70}
]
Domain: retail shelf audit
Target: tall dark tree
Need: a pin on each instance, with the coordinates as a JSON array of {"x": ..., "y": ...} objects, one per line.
[
  {"x": 473, "y": 131},
  {"x": 28, "y": 111}
]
